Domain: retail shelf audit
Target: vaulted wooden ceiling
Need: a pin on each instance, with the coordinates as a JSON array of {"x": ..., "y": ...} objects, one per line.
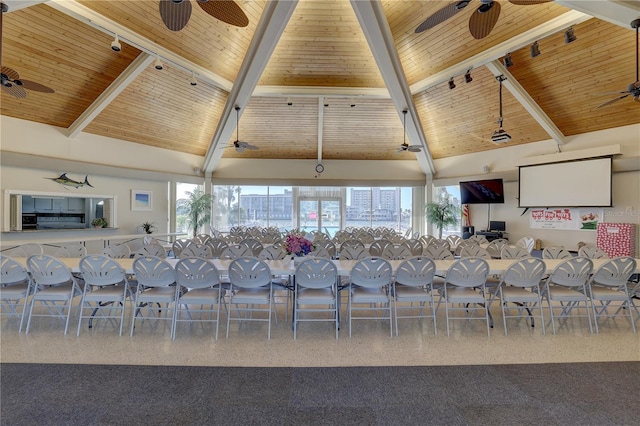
[{"x": 324, "y": 79}]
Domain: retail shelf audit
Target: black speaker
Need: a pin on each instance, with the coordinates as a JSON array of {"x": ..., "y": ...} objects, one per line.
[{"x": 469, "y": 229}]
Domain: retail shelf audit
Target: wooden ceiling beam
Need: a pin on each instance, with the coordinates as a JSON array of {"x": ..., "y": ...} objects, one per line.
[
  {"x": 378, "y": 34},
  {"x": 272, "y": 23},
  {"x": 111, "y": 92},
  {"x": 616, "y": 12},
  {"x": 521, "y": 95}
]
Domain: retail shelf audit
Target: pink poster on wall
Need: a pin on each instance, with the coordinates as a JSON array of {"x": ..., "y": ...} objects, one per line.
[{"x": 566, "y": 218}]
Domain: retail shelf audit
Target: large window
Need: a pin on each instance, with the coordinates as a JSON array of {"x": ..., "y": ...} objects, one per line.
[
  {"x": 451, "y": 193},
  {"x": 183, "y": 190},
  {"x": 323, "y": 208}
]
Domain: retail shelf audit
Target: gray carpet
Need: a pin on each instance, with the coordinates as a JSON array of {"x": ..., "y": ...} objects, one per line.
[{"x": 549, "y": 394}]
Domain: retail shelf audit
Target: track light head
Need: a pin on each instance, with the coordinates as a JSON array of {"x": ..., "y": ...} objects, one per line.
[
  {"x": 158, "y": 65},
  {"x": 115, "y": 44},
  {"x": 452, "y": 85},
  {"x": 535, "y": 49},
  {"x": 289, "y": 101},
  {"x": 352, "y": 104},
  {"x": 194, "y": 81},
  {"x": 467, "y": 77},
  {"x": 508, "y": 62},
  {"x": 569, "y": 36}
]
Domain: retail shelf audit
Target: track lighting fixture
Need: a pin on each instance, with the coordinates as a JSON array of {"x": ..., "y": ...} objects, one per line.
[
  {"x": 289, "y": 101},
  {"x": 452, "y": 85},
  {"x": 158, "y": 65},
  {"x": 467, "y": 77},
  {"x": 508, "y": 62},
  {"x": 193, "y": 81},
  {"x": 534, "y": 50},
  {"x": 352, "y": 105},
  {"x": 569, "y": 36},
  {"x": 115, "y": 44}
]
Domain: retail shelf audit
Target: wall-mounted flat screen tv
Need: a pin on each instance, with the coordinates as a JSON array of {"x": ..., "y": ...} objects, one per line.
[{"x": 490, "y": 191}]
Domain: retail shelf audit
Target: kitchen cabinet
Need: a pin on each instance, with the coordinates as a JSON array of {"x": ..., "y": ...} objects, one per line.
[
  {"x": 42, "y": 203},
  {"x": 75, "y": 204}
]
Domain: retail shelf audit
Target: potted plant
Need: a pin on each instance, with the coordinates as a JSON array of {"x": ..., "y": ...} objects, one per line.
[
  {"x": 148, "y": 227},
  {"x": 197, "y": 209},
  {"x": 442, "y": 214},
  {"x": 99, "y": 222}
]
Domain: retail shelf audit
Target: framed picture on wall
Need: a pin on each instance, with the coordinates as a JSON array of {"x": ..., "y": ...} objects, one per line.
[{"x": 140, "y": 200}]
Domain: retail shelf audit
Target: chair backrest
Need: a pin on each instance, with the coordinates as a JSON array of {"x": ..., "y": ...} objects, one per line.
[
  {"x": 272, "y": 253},
  {"x": 249, "y": 272},
  {"x": 352, "y": 243},
  {"x": 117, "y": 251},
  {"x": 416, "y": 271},
  {"x": 365, "y": 237},
  {"x": 440, "y": 243},
  {"x": 514, "y": 252},
  {"x": 341, "y": 236},
  {"x": 196, "y": 272},
  {"x": 592, "y": 252},
  {"x": 179, "y": 245},
  {"x": 372, "y": 272},
  {"x": 426, "y": 240},
  {"x": 75, "y": 250},
  {"x": 151, "y": 250},
  {"x": 468, "y": 272},
  {"x": 527, "y": 243},
  {"x": 494, "y": 248},
  {"x": 396, "y": 252},
  {"x": 378, "y": 246},
  {"x": 480, "y": 239},
  {"x": 474, "y": 250},
  {"x": 202, "y": 238},
  {"x": 99, "y": 270},
  {"x": 395, "y": 238},
  {"x": 235, "y": 251},
  {"x": 615, "y": 272},
  {"x": 352, "y": 253},
  {"x": 572, "y": 272},
  {"x": 254, "y": 245},
  {"x": 554, "y": 252},
  {"x": 217, "y": 246},
  {"x": 32, "y": 248},
  {"x": 414, "y": 246},
  {"x": 437, "y": 252},
  {"x": 526, "y": 272},
  {"x": 316, "y": 272},
  {"x": 196, "y": 250},
  {"x": 11, "y": 272},
  {"x": 47, "y": 270},
  {"x": 153, "y": 271},
  {"x": 320, "y": 251},
  {"x": 329, "y": 246},
  {"x": 464, "y": 243},
  {"x": 453, "y": 241}
]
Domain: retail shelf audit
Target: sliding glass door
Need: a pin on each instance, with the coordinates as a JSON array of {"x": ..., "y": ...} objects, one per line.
[{"x": 319, "y": 214}]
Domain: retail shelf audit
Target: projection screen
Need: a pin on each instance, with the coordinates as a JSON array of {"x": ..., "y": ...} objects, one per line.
[{"x": 580, "y": 183}]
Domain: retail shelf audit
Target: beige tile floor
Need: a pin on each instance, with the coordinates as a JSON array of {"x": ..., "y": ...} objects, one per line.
[{"x": 370, "y": 345}]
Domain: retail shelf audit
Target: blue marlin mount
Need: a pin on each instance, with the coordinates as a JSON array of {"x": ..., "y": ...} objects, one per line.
[{"x": 64, "y": 180}]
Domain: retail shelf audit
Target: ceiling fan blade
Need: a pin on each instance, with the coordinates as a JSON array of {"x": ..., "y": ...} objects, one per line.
[
  {"x": 250, "y": 147},
  {"x": 611, "y": 101},
  {"x": 440, "y": 16},
  {"x": 10, "y": 72},
  {"x": 175, "y": 15},
  {"x": 37, "y": 87},
  {"x": 226, "y": 11},
  {"x": 240, "y": 149},
  {"x": 482, "y": 22},
  {"x": 15, "y": 91},
  {"x": 529, "y": 2}
]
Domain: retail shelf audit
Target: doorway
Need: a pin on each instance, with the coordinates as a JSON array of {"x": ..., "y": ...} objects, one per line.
[{"x": 319, "y": 214}]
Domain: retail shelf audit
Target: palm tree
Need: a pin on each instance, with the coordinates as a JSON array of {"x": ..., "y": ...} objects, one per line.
[
  {"x": 442, "y": 214},
  {"x": 197, "y": 208}
]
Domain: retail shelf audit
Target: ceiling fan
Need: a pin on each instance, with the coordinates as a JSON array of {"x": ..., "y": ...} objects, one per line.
[
  {"x": 239, "y": 145},
  {"x": 10, "y": 79},
  {"x": 481, "y": 21},
  {"x": 634, "y": 88},
  {"x": 405, "y": 146},
  {"x": 176, "y": 13}
]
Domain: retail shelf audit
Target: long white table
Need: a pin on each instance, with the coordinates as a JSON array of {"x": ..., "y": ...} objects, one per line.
[{"x": 287, "y": 266}]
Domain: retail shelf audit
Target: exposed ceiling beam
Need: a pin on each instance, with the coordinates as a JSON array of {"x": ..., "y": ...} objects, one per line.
[
  {"x": 376, "y": 29},
  {"x": 616, "y": 12},
  {"x": 322, "y": 91},
  {"x": 320, "y": 127},
  {"x": 126, "y": 35},
  {"x": 19, "y": 4},
  {"x": 115, "y": 88},
  {"x": 273, "y": 21},
  {"x": 519, "y": 41},
  {"x": 518, "y": 92}
]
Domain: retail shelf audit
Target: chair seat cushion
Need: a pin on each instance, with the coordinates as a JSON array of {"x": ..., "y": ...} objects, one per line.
[
  {"x": 60, "y": 292},
  {"x": 368, "y": 295},
  {"x": 565, "y": 294},
  {"x": 518, "y": 294},
  {"x": 158, "y": 294},
  {"x": 111, "y": 293},
  {"x": 464, "y": 295},
  {"x": 200, "y": 296},
  {"x": 251, "y": 295},
  {"x": 316, "y": 296},
  {"x": 601, "y": 293},
  {"x": 408, "y": 294},
  {"x": 13, "y": 292}
]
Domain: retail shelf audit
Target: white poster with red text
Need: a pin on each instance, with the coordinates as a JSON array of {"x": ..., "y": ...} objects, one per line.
[{"x": 574, "y": 219}]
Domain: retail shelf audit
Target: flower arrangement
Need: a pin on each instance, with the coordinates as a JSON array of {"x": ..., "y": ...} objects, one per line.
[{"x": 297, "y": 245}]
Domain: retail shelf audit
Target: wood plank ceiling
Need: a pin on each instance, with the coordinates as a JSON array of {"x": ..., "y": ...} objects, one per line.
[{"x": 321, "y": 65}]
